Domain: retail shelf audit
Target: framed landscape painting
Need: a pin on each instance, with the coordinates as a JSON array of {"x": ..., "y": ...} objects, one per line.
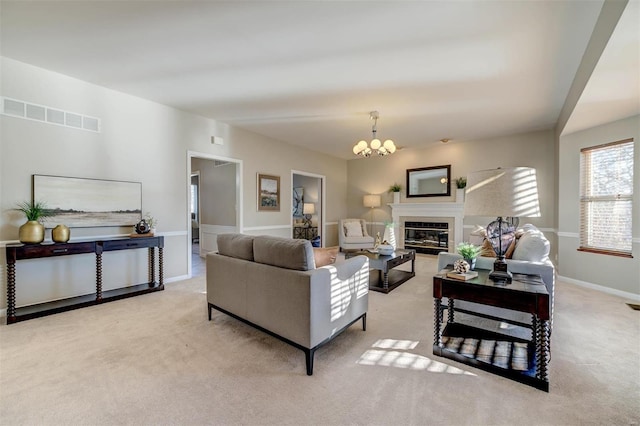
[
  {"x": 268, "y": 193},
  {"x": 81, "y": 202}
]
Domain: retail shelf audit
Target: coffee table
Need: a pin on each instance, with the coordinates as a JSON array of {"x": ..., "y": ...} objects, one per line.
[
  {"x": 523, "y": 360},
  {"x": 388, "y": 278}
]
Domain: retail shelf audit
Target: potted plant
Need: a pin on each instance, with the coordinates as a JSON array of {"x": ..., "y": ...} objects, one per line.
[
  {"x": 469, "y": 253},
  {"x": 461, "y": 184},
  {"x": 151, "y": 221},
  {"x": 395, "y": 190},
  {"x": 32, "y": 232}
]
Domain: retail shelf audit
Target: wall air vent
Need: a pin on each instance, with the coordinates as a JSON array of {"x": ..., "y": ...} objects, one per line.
[
  {"x": 21, "y": 109},
  {"x": 218, "y": 163}
]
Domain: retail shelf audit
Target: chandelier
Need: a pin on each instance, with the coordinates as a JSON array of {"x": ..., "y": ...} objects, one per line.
[{"x": 364, "y": 149}]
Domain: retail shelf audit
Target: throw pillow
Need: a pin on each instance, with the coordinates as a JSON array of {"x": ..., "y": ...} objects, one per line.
[
  {"x": 487, "y": 249},
  {"x": 532, "y": 246},
  {"x": 325, "y": 255},
  {"x": 352, "y": 229}
]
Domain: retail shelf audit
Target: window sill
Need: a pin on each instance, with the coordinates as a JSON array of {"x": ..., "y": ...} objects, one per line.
[{"x": 607, "y": 252}]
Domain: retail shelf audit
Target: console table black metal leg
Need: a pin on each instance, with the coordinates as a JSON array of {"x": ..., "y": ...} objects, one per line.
[
  {"x": 160, "y": 266},
  {"x": 542, "y": 349},
  {"x": 437, "y": 322},
  {"x": 98, "y": 276},
  {"x": 11, "y": 292},
  {"x": 152, "y": 266},
  {"x": 450, "y": 311}
]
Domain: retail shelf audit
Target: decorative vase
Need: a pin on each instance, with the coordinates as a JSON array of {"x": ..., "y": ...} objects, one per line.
[
  {"x": 472, "y": 263},
  {"x": 460, "y": 195},
  {"x": 60, "y": 234},
  {"x": 396, "y": 198},
  {"x": 390, "y": 236},
  {"x": 32, "y": 232}
]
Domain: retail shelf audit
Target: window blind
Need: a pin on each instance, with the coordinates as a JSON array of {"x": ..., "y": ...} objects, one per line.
[{"x": 606, "y": 194}]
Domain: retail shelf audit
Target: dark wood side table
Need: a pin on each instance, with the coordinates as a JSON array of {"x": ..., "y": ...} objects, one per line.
[
  {"x": 523, "y": 360},
  {"x": 17, "y": 252},
  {"x": 388, "y": 278}
]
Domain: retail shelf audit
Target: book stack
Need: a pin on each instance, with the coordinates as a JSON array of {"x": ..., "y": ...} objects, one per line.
[{"x": 462, "y": 276}]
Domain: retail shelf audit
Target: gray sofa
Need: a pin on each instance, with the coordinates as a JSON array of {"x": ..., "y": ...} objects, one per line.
[
  {"x": 272, "y": 284},
  {"x": 531, "y": 252}
]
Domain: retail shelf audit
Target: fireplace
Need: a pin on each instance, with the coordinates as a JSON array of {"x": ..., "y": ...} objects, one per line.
[
  {"x": 426, "y": 237},
  {"x": 449, "y": 213}
]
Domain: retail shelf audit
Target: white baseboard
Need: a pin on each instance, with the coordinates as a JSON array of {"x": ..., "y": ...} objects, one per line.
[
  {"x": 608, "y": 290},
  {"x": 176, "y": 279}
]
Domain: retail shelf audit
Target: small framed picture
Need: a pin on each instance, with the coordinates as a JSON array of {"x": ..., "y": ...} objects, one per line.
[{"x": 268, "y": 193}]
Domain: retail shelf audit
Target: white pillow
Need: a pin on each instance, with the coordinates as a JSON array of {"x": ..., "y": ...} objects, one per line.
[
  {"x": 352, "y": 229},
  {"x": 532, "y": 245}
]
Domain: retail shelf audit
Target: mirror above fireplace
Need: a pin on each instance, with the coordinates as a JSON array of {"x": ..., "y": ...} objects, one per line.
[{"x": 429, "y": 181}]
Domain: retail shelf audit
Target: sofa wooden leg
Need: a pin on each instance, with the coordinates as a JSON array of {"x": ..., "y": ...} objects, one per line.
[
  {"x": 308, "y": 354},
  {"x": 209, "y": 307},
  {"x": 364, "y": 322}
]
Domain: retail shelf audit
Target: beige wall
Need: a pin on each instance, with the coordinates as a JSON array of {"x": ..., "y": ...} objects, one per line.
[
  {"x": 613, "y": 272},
  {"x": 376, "y": 174},
  {"x": 217, "y": 192},
  {"x": 140, "y": 141}
]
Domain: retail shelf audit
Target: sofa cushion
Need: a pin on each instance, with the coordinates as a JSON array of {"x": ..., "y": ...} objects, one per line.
[
  {"x": 286, "y": 253},
  {"x": 325, "y": 255},
  {"x": 239, "y": 246},
  {"x": 532, "y": 246},
  {"x": 353, "y": 229}
]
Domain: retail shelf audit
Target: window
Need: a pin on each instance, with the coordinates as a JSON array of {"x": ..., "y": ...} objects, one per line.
[{"x": 606, "y": 193}]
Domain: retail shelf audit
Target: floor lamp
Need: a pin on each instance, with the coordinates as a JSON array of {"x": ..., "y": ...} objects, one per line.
[
  {"x": 502, "y": 192},
  {"x": 371, "y": 201}
]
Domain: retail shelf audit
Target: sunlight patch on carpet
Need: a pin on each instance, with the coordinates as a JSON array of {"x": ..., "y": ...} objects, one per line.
[{"x": 407, "y": 360}]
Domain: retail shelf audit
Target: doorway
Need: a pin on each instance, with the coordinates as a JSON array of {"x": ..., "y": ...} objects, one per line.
[
  {"x": 214, "y": 204},
  {"x": 308, "y": 207}
]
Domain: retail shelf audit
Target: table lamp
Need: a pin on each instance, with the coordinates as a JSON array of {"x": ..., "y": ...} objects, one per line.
[
  {"x": 308, "y": 209},
  {"x": 371, "y": 201},
  {"x": 502, "y": 192}
]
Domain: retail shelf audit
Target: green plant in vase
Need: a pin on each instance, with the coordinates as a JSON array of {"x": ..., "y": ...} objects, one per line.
[
  {"x": 395, "y": 190},
  {"x": 469, "y": 253},
  {"x": 32, "y": 232},
  {"x": 396, "y": 187},
  {"x": 461, "y": 182}
]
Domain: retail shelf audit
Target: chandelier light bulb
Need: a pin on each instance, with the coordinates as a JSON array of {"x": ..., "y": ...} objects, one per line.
[{"x": 365, "y": 149}]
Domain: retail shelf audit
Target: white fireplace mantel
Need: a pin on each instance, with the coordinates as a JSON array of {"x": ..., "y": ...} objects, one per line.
[{"x": 444, "y": 210}]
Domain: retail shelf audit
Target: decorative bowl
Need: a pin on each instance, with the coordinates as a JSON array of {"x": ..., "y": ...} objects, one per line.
[{"x": 385, "y": 249}]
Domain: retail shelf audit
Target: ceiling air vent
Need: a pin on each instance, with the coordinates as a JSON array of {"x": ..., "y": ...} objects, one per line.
[{"x": 16, "y": 108}]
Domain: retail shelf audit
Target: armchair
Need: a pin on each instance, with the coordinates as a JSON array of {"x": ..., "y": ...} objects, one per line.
[{"x": 353, "y": 235}]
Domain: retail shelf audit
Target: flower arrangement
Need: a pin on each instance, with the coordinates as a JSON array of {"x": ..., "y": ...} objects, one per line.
[
  {"x": 461, "y": 182},
  {"x": 396, "y": 187},
  {"x": 151, "y": 221},
  {"x": 468, "y": 250},
  {"x": 35, "y": 210}
]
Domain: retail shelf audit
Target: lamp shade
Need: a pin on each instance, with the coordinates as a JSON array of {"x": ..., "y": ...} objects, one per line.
[
  {"x": 308, "y": 208},
  {"x": 372, "y": 200},
  {"x": 503, "y": 192}
]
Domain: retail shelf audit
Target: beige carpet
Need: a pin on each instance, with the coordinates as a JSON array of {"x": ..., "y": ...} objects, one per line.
[{"x": 155, "y": 359}]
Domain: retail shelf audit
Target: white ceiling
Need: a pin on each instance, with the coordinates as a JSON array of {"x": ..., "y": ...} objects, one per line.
[
  {"x": 309, "y": 72},
  {"x": 613, "y": 91}
]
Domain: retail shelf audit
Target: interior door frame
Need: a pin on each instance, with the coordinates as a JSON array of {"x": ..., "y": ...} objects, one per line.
[
  {"x": 239, "y": 192},
  {"x": 323, "y": 196}
]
